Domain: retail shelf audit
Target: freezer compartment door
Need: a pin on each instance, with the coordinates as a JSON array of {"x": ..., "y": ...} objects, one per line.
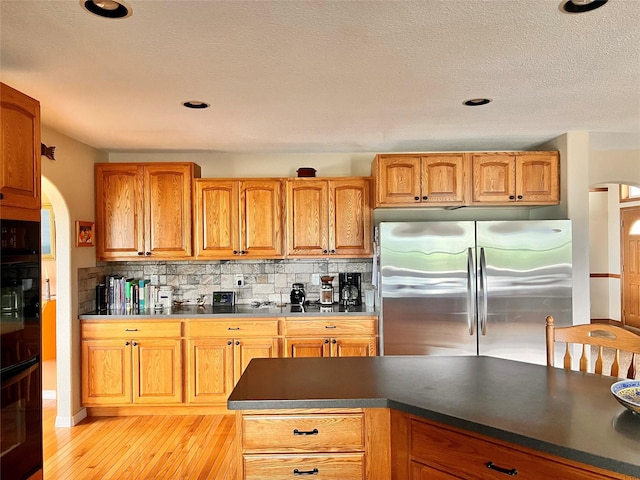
[
  {"x": 427, "y": 288},
  {"x": 524, "y": 274}
]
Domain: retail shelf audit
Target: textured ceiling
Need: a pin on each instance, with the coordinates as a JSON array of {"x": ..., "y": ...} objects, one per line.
[{"x": 327, "y": 76}]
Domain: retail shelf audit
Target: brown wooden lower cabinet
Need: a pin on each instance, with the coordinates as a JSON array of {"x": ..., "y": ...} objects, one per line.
[
  {"x": 345, "y": 444},
  {"x": 177, "y": 365},
  {"x": 328, "y": 337},
  {"x": 423, "y": 449},
  {"x": 383, "y": 444},
  {"x": 126, "y": 363}
]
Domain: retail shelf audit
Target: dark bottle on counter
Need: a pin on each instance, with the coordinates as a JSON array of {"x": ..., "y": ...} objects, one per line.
[{"x": 101, "y": 298}]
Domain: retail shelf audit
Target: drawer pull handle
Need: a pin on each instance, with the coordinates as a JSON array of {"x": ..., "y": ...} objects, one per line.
[
  {"x": 509, "y": 471},
  {"x": 330, "y": 326},
  {"x": 130, "y": 329},
  {"x": 297, "y": 472},
  {"x": 233, "y": 328},
  {"x": 312, "y": 432}
]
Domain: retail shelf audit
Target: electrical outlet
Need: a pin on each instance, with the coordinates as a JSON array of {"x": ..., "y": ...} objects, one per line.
[
  {"x": 239, "y": 280},
  {"x": 315, "y": 279}
]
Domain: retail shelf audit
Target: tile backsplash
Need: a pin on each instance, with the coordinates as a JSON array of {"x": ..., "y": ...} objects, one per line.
[{"x": 265, "y": 280}]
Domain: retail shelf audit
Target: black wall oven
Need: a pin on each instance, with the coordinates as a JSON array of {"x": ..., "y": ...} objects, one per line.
[{"x": 20, "y": 368}]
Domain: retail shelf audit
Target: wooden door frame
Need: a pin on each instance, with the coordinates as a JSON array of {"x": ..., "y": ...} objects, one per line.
[{"x": 622, "y": 258}]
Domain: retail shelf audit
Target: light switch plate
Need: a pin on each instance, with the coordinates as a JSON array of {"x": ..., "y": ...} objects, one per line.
[{"x": 315, "y": 279}]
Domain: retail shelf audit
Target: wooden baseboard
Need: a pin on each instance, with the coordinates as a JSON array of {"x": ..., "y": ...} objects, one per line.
[
  {"x": 131, "y": 410},
  {"x": 607, "y": 321}
]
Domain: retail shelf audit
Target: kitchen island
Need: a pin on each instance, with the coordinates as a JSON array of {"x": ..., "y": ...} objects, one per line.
[{"x": 539, "y": 422}]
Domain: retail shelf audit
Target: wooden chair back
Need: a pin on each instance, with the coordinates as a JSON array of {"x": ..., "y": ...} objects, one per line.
[{"x": 600, "y": 335}]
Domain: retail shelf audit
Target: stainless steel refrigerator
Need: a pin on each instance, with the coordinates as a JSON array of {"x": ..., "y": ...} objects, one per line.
[{"x": 469, "y": 288}]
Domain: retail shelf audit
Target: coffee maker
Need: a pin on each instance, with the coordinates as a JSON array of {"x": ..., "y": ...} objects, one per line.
[
  {"x": 297, "y": 294},
  {"x": 350, "y": 287}
]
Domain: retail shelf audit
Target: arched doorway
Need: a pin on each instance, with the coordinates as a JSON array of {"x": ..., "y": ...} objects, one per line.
[{"x": 63, "y": 237}]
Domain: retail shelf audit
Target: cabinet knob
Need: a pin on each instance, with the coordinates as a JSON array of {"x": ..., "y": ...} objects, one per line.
[
  {"x": 425, "y": 198},
  {"x": 1, "y": 196},
  {"x": 325, "y": 251},
  {"x": 520, "y": 197},
  {"x": 333, "y": 251},
  {"x": 140, "y": 253},
  {"x": 235, "y": 252},
  {"x": 326, "y": 340},
  {"x": 126, "y": 344},
  {"x": 237, "y": 342},
  {"x": 147, "y": 253},
  {"x": 511, "y": 197},
  {"x": 334, "y": 341},
  {"x": 135, "y": 344},
  {"x": 229, "y": 342},
  {"x": 416, "y": 198}
]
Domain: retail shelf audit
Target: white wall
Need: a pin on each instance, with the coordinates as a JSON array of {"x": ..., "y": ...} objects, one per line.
[
  {"x": 221, "y": 165},
  {"x": 609, "y": 168},
  {"x": 574, "y": 199},
  {"x": 614, "y": 166},
  {"x": 68, "y": 182}
]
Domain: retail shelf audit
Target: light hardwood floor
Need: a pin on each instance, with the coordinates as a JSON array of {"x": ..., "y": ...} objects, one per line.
[{"x": 141, "y": 447}]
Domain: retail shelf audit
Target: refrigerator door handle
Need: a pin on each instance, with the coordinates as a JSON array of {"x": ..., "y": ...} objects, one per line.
[
  {"x": 483, "y": 292},
  {"x": 471, "y": 288}
]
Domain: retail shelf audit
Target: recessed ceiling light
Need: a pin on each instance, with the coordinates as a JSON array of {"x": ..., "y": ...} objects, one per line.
[
  {"x": 580, "y": 6},
  {"x": 196, "y": 104},
  {"x": 107, "y": 8},
  {"x": 476, "y": 102}
]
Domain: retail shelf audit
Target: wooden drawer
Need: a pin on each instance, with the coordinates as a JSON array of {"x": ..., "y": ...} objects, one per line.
[
  {"x": 464, "y": 456},
  {"x": 233, "y": 328},
  {"x": 289, "y": 433},
  {"x": 135, "y": 329},
  {"x": 345, "y": 466},
  {"x": 330, "y": 327}
]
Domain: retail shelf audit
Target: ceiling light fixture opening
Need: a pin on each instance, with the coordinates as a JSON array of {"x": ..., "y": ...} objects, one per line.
[
  {"x": 107, "y": 8},
  {"x": 476, "y": 102},
  {"x": 580, "y": 6},
  {"x": 196, "y": 104}
]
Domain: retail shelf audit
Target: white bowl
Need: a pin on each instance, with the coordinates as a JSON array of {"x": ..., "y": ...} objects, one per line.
[{"x": 627, "y": 392}]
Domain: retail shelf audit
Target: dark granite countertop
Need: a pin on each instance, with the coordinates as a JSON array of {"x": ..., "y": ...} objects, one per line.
[
  {"x": 238, "y": 311},
  {"x": 564, "y": 413}
]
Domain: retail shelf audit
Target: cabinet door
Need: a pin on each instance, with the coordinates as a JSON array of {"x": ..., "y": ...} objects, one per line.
[
  {"x": 106, "y": 372},
  {"x": 537, "y": 178},
  {"x": 119, "y": 211},
  {"x": 353, "y": 347},
  {"x": 168, "y": 210},
  {"x": 443, "y": 179},
  {"x": 308, "y": 217},
  {"x": 494, "y": 178},
  {"x": 217, "y": 218},
  {"x": 307, "y": 347},
  {"x": 398, "y": 180},
  {"x": 261, "y": 218},
  {"x": 210, "y": 370},
  {"x": 350, "y": 217},
  {"x": 157, "y": 371},
  {"x": 19, "y": 154},
  {"x": 248, "y": 348}
]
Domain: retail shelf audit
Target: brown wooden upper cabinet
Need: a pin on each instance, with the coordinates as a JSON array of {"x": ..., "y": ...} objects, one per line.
[
  {"x": 421, "y": 180},
  {"x": 525, "y": 178},
  {"x": 143, "y": 211},
  {"x": 329, "y": 217},
  {"x": 20, "y": 155},
  {"x": 239, "y": 218}
]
